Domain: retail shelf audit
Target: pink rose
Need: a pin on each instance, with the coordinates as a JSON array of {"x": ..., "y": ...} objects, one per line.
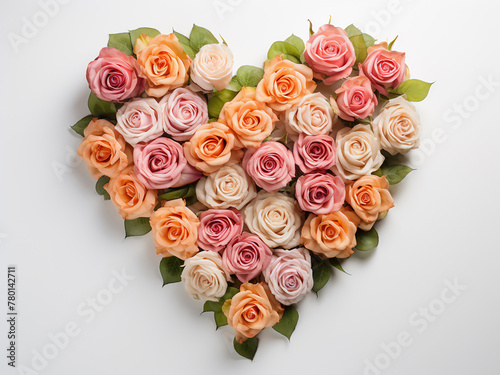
[
  {"x": 188, "y": 175},
  {"x": 246, "y": 256},
  {"x": 384, "y": 69},
  {"x": 355, "y": 99},
  {"x": 184, "y": 111},
  {"x": 320, "y": 193},
  {"x": 329, "y": 52},
  {"x": 218, "y": 228},
  {"x": 113, "y": 76},
  {"x": 314, "y": 152},
  {"x": 289, "y": 275},
  {"x": 271, "y": 165}
]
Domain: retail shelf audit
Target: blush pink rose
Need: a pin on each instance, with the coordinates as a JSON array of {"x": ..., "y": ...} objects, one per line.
[
  {"x": 355, "y": 99},
  {"x": 246, "y": 256},
  {"x": 384, "y": 69},
  {"x": 320, "y": 193},
  {"x": 113, "y": 76},
  {"x": 218, "y": 228},
  {"x": 330, "y": 53},
  {"x": 314, "y": 152},
  {"x": 271, "y": 165}
]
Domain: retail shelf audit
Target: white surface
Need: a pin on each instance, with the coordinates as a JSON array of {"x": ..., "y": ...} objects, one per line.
[{"x": 66, "y": 241}]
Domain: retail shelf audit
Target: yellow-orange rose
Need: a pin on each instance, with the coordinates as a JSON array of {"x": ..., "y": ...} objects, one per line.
[
  {"x": 164, "y": 63},
  {"x": 284, "y": 84},
  {"x": 131, "y": 197},
  {"x": 212, "y": 146},
  {"x": 251, "y": 310},
  {"x": 369, "y": 196},
  {"x": 175, "y": 230}
]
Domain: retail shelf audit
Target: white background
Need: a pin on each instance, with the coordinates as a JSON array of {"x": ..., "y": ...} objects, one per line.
[{"x": 66, "y": 241}]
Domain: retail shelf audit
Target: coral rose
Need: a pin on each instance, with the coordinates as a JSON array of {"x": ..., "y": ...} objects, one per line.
[
  {"x": 355, "y": 99},
  {"x": 314, "y": 152},
  {"x": 320, "y": 193},
  {"x": 218, "y": 228}
]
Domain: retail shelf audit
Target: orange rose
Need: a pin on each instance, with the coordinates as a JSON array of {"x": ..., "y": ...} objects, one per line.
[
  {"x": 212, "y": 146},
  {"x": 369, "y": 196},
  {"x": 251, "y": 120},
  {"x": 251, "y": 310},
  {"x": 284, "y": 84},
  {"x": 175, "y": 230},
  {"x": 164, "y": 63},
  {"x": 104, "y": 149},
  {"x": 130, "y": 195}
]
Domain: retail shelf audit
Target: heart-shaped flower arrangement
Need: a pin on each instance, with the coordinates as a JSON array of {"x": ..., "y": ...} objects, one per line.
[{"x": 254, "y": 185}]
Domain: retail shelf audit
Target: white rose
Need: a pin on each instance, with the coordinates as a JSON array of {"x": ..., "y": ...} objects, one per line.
[
  {"x": 398, "y": 126},
  {"x": 212, "y": 67},
  {"x": 230, "y": 186},
  {"x": 203, "y": 276},
  {"x": 358, "y": 152},
  {"x": 140, "y": 120},
  {"x": 313, "y": 115},
  {"x": 275, "y": 218}
]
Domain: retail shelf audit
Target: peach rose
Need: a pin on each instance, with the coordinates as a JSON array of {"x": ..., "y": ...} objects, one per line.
[
  {"x": 369, "y": 196},
  {"x": 104, "y": 149},
  {"x": 284, "y": 84},
  {"x": 131, "y": 197},
  {"x": 212, "y": 67},
  {"x": 175, "y": 230},
  {"x": 355, "y": 99},
  {"x": 164, "y": 63}
]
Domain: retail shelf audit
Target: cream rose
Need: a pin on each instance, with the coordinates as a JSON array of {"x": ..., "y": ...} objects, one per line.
[
  {"x": 312, "y": 115},
  {"x": 212, "y": 67}
]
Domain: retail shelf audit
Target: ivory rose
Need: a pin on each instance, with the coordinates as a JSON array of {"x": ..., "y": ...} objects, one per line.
[
  {"x": 355, "y": 99},
  {"x": 104, "y": 149},
  {"x": 218, "y": 228},
  {"x": 314, "y": 152},
  {"x": 175, "y": 230},
  {"x": 312, "y": 115},
  {"x": 284, "y": 84},
  {"x": 212, "y": 67},
  {"x": 320, "y": 193},
  {"x": 130, "y": 196}
]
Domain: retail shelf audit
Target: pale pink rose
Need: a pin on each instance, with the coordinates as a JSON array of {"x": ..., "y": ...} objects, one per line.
[
  {"x": 384, "y": 69},
  {"x": 246, "y": 256},
  {"x": 183, "y": 112},
  {"x": 329, "y": 52},
  {"x": 271, "y": 165},
  {"x": 113, "y": 76},
  {"x": 320, "y": 193},
  {"x": 218, "y": 228},
  {"x": 314, "y": 152},
  {"x": 355, "y": 99},
  {"x": 289, "y": 275}
]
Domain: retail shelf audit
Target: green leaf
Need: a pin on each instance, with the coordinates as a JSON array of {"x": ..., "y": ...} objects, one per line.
[
  {"x": 80, "y": 126},
  {"x": 101, "y": 108},
  {"x": 358, "y": 41},
  {"x": 321, "y": 275},
  {"x": 99, "y": 187},
  {"x": 171, "y": 270},
  {"x": 216, "y": 307},
  {"x": 134, "y": 34},
  {"x": 414, "y": 89},
  {"x": 184, "y": 192},
  {"x": 249, "y": 76},
  {"x": 200, "y": 36},
  {"x": 389, "y": 47},
  {"x": 311, "y": 31},
  {"x": 121, "y": 42},
  {"x": 336, "y": 263},
  {"x": 234, "y": 85},
  {"x": 394, "y": 173},
  {"x": 220, "y": 319},
  {"x": 366, "y": 240},
  {"x": 294, "y": 40},
  {"x": 285, "y": 49},
  {"x": 137, "y": 227},
  {"x": 248, "y": 348},
  {"x": 369, "y": 40},
  {"x": 185, "y": 44},
  {"x": 216, "y": 102},
  {"x": 288, "y": 322}
]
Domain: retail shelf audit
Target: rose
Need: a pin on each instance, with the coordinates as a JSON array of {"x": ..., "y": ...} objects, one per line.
[
  {"x": 104, "y": 149},
  {"x": 320, "y": 193},
  {"x": 140, "y": 120},
  {"x": 164, "y": 63},
  {"x": 355, "y": 99},
  {"x": 271, "y": 165},
  {"x": 212, "y": 146},
  {"x": 284, "y": 84},
  {"x": 398, "y": 126},
  {"x": 289, "y": 275},
  {"x": 203, "y": 276},
  {"x": 251, "y": 310},
  {"x": 175, "y": 230},
  {"x": 330, "y": 52},
  {"x": 130, "y": 196},
  {"x": 212, "y": 67},
  {"x": 312, "y": 115},
  {"x": 250, "y": 120},
  {"x": 369, "y": 196},
  {"x": 314, "y": 152},
  {"x": 230, "y": 186},
  {"x": 113, "y": 76},
  {"x": 218, "y": 228},
  {"x": 246, "y": 256},
  {"x": 358, "y": 152},
  {"x": 275, "y": 218},
  {"x": 188, "y": 176},
  {"x": 183, "y": 112}
]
